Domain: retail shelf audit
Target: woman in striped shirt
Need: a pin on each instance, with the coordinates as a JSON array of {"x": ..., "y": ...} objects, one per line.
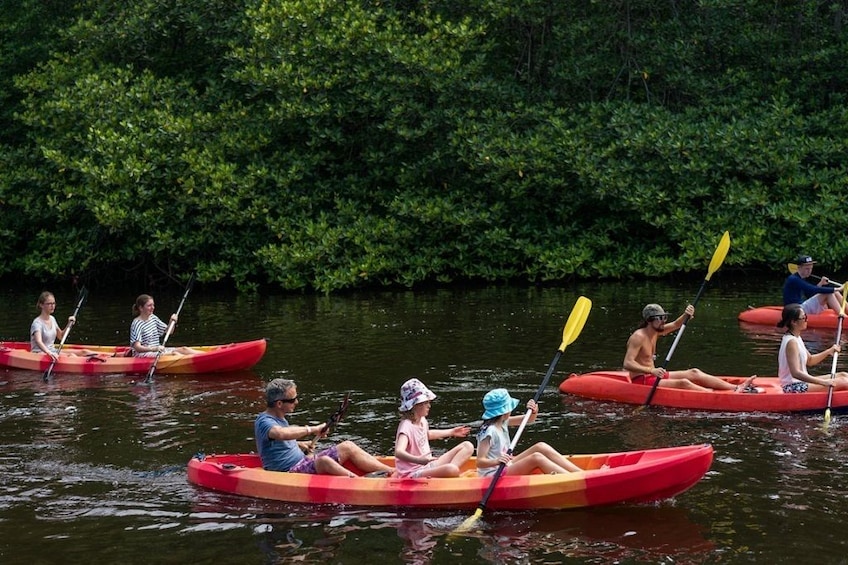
[{"x": 147, "y": 329}]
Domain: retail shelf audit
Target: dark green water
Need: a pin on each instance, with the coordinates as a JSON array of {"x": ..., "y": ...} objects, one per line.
[{"x": 93, "y": 468}]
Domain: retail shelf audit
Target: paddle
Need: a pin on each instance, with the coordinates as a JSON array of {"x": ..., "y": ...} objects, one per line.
[
  {"x": 170, "y": 329},
  {"x": 833, "y": 366},
  {"x": 333, "y": 420},
  {"x": 82, "y": 296},
  {"x": 793, "y": 268},
  {"x": 575, "y": 323},
  {"x": 718, "y": 258}
]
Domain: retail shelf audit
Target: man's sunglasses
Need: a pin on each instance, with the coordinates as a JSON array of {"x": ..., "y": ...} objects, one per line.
[{"x": 288, "y": 400}]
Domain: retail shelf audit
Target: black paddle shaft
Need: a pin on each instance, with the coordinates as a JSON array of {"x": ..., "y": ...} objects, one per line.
[
  {"x": 536, "y": 397},
  {"x": 169, "y": 329},
  {"x": 674, "y": 344},
  {"x": 82, "y": 297}
]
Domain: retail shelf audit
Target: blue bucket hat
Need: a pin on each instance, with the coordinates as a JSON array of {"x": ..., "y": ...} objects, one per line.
[{"x": 497, "y": 403}]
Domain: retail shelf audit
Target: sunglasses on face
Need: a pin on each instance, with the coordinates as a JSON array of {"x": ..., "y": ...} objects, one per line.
[
  {"x": 663, "y": 317},
  {"x": 288, "y": 400}
]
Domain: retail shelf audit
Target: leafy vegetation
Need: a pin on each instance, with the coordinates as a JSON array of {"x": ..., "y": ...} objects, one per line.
[{"x": 320, "y": 145}]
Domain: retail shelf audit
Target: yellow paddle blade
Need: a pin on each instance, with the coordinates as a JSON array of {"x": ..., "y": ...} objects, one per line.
[
  {"x": 576, "y": 321},
  {"x": 719, "y": 255},
  {"x": 469, "y": 522},
  {"x": 826, "y": 418}
]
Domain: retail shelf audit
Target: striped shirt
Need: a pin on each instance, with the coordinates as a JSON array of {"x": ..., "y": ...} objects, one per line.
[{"x": 147, "y": 332}]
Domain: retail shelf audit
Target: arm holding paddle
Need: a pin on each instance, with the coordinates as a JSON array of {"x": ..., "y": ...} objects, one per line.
[
  {"x": 272, "y": 425},
  {"x": 45, "y": 328},
  {"x": 707, "y": 380},
  {"x": 493, "y": 449},
  {"x": 323, "y": 430},
  {"x": 835, "y": 356},
  {"x": 793, "y": 358},
  {"x": 642, "y": 344},
  {"x": 814, "y": 298},
  {"x": 573, "y": 327}
]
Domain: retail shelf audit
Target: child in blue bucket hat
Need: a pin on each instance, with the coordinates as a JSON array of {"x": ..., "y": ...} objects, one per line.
[{"x": 493, "y": 441}]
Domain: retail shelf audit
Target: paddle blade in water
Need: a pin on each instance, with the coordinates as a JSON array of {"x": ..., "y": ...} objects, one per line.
[{"x": 468, "y": 523}]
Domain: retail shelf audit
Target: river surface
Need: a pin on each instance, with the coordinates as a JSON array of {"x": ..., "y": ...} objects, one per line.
[{"x": 92, "y": 468}]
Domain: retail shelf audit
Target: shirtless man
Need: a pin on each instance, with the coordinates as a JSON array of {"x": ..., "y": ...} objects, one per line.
[{"x": 641, "y": 352}]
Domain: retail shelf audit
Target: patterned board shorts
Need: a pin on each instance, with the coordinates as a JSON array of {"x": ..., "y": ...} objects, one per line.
[
  {"x": 797, "y": 386},
  {"x": 307, "y": 464}
]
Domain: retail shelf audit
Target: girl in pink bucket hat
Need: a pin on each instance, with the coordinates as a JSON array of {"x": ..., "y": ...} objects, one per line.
[
  {"x": 493, "y": 441},
  {"x": 413, "y": 456}
]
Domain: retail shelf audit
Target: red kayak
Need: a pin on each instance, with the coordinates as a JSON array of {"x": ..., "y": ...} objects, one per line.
[
  {"x": 770, "y": 316},
  {"x": 112, "y": 359},
  {"x": 615, "y": 386},
  {"x": 609, "y": 478}
]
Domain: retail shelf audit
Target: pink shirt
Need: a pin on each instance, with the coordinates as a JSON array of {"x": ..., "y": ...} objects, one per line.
[{"x": 418, "y": 445}]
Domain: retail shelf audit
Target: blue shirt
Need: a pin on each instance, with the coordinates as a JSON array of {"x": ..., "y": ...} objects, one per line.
[
  {"x": 276, "y": 455},
  {"x": 796, "y": 289}
]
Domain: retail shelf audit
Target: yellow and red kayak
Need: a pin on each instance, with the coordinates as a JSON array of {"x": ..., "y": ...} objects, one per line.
[
  {"x": 615, "y": 386},
  {"x": 770, "y": 316},
  {"x": 609, "y": 478},
  {"x": 113, "y": 359}
]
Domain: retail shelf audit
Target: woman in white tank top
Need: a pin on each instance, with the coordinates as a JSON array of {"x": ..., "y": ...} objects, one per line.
[{"x": 793, "y": 358}]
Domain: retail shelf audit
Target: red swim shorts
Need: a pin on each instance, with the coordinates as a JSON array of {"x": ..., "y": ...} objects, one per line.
[{"x": 646, "y": 379}]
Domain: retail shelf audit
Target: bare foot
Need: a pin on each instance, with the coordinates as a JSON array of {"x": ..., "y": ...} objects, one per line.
[{"x": 746, "y": 384}]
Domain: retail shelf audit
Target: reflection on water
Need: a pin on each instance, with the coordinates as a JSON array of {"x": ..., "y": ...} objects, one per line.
[
  {"x": 314, "y": 534},
  {"x": 93, "y": 467}
]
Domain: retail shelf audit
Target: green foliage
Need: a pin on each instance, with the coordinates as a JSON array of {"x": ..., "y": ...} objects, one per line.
[{"x": 319, "y": 145}]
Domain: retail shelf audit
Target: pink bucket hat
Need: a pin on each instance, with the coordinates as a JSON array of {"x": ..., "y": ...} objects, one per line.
[{"x": 414, "y": 392}]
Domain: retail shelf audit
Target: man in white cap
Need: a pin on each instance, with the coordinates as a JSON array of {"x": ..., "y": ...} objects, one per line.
[
  {"x": 641, "y": 354},
  {"x": 814, "y": 299}
]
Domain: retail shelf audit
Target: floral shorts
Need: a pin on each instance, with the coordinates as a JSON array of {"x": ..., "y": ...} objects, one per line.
[
  {"x": 796, "y": 387},
  {"x": 307, "y": 464}
]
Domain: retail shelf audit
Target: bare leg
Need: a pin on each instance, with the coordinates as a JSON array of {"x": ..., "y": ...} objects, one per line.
[
  {"x": 326, "y": 466},
  {"x": 529, "y": 464},
  {"x": 78, "y": 352},
  {"x": 458, "y": 455},
  {"x": 840, "y": 381},
  {"x": 447, "y": 470},
  {"x": 349, "y": 451},
  {"x": 681, "y": 382},
  {"x": 834, "y": 301},
  {"x": 549, "y": 453},
  {"x": 703, "y": 379},
  {"x": 749, "y": 382}
]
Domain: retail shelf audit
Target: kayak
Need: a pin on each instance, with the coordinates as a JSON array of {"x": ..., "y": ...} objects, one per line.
[
  {"x": 770, "y": 316},
  {"x": 615, "y": 386},
  {"x": 113, "y": 359},
  {"x": 609, "y": 478}
]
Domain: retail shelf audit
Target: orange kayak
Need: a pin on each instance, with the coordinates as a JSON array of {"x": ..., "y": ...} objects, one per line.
[
  {"x": 610, "y": 478},
  {"x": 112, "y": 359},
  {"x": 770, "y": 316},
  {"x": 615, "y": 386}
]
